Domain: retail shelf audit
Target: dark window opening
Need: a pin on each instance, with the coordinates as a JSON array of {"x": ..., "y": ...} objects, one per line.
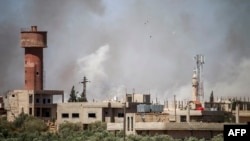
[
  {"x": 120, "y": 114},
  {"x": 48, "y": 100},
  {"x": 128, "y": 123},
  {"x": 37, "y": 73},
  {"x": 132, "y": 126},
  {"x": 85, "y": 126},
  {"x": 75, "y": 115},
  {"x": 183, "y": 119},
  {"x": 92, "y": 115},
  {"x": 106, "y": 112},
  {"x": 13, "y": 95},
  {"x": 46, "y": 112},
  {"x": 38, "y": 112},
  {"x": 44, "y": 101},
  {"x": 30, "y": 99},
  {"x": 129, "y": 99},
  {"x": 30, "y": 112},
  {"x": 65, "y": 115},
  {"x": 37, "y": 100}
]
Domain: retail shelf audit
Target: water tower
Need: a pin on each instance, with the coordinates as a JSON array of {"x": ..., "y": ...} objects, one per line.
[{"x": 33, "y": 42}]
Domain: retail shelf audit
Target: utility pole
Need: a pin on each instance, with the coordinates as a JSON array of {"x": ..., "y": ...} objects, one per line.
[
  {"x": 83, "y": 95},
  {"x": 174, "y": 109},
  {"x": 124, "y": 121}
]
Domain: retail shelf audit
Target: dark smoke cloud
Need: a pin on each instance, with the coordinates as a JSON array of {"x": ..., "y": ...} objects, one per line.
[{"x": 132, "y": 44}]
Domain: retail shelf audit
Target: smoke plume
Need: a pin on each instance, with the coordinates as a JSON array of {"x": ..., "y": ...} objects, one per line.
[{"x": 124, "y": 45}]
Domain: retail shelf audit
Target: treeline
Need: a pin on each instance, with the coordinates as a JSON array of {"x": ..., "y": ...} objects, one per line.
[{"x": 29, "y": 128}]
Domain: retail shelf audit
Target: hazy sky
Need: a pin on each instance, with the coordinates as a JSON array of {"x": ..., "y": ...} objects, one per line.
[{"x": 126, "y": 44}]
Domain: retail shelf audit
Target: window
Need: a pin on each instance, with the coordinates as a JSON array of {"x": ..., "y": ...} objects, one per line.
[
  {"x": 65, "y": 115},
  {"x": 37, "y": 73},
  {"x": 44, "y": 101},
  {"x": 30, "y": 111},
  {"x": 30, "y": 99},
  {"x": 38, "y": 112},
  {"x": 120, "y": 114},
  {"x": 46, "y": 112},
  {"x": 92, "y": 115},
  {"x": 13, "y": 95},
  {"x": 37, "y": 100},
  {"x": 75, "y": 115},
  {"x": 128, "y": 123},
  {"x": 132, "y": 124},
  {"x": 48, "y": 100}
]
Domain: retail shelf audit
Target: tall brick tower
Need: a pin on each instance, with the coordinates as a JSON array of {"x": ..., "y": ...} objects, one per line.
[{"x": 33, "y": 42}]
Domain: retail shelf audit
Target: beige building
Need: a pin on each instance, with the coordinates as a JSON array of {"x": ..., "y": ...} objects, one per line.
[
  {"x": 38, "y": 103},
  {"x": 238, "y": 107},
  {"x": 138, "y": 98},
  {"x": 160, "y": 123},
  {"x": 88, "y": 112}
]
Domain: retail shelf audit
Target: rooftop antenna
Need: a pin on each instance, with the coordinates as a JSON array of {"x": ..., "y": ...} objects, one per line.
[{"x": 83, "y": 95}]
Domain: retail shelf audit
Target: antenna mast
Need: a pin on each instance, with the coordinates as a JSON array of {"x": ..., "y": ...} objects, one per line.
[{"x": 200, "y": 60}]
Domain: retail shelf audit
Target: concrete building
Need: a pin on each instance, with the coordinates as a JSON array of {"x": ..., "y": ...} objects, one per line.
[
  {"x": 238, "y": 107},
  {"x": 180, "y": 120},
  {"x": 163, "y": 123},
  {"x": 89, "y": 112},
  {"x": 38, "y": 103},
  {"x": 138, "y": 98}
]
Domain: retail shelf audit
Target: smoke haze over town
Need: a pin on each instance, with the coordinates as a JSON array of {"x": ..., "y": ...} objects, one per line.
[{"x": 120, "y": 45}]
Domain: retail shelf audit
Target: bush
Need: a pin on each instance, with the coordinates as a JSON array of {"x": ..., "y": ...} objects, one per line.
[
  {"x": 218, "y": 137},
  {"x": 25, "y": 122},
  {"x": 68, "y": 129},
  {"x": 97, "y": 126},
  {"x": 34, "y": 124}
]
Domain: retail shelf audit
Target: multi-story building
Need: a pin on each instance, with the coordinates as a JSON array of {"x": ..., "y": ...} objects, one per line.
[{"x": 38, "y": 103}]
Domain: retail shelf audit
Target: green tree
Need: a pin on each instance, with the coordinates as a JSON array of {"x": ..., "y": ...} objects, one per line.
[{"x": 73, "y": 95}]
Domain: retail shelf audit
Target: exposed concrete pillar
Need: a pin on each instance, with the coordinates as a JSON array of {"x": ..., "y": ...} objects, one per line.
[
  {"x": 188, "y": 113},
  {"x": 237, "y": 113}
]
